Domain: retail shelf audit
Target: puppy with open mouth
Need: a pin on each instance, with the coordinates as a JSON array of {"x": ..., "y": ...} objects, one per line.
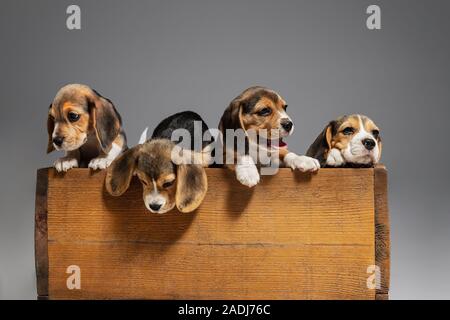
[
  {"x": 86, "y": 126},
  {"x": 264, "y": 112},
  {"x": 170, "y": 176},
  {"x": 352, "y": 140}
]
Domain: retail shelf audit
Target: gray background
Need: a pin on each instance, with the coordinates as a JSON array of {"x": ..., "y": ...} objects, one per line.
[{"x": 153, "y": 58}]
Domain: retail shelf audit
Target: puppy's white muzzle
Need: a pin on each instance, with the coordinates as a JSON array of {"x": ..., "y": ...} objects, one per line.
[
  {"x": 156, "y": 203},
  {"x": 357, "y": 152}
]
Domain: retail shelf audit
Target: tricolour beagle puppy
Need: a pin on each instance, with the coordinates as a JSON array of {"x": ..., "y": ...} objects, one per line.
[
  {"x": 168, "y": 178},
  {"x": 264, "y": 111},
  {"x": 352, "y": 140},
  {"x": 86, "y": 126}
]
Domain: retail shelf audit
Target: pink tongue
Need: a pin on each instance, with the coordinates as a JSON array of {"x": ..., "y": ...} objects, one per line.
[{"x": 280, "y": 143}]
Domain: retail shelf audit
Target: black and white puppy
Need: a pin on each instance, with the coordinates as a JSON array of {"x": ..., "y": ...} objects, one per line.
[
  {"x": 352, "y": 140},
  {"x": 170, "y": 176}
]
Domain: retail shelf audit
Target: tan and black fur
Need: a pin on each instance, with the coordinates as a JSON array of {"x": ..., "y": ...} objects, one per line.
[
  {"x": 351, "y": 140},
  {"x": 264, "y": 111},
  {"x": 165, "y": 184},
  {"x": 171, "y": 175},
  {"x": 86, "y": 126}
]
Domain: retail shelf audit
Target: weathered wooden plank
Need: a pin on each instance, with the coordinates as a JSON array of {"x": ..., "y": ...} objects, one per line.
[
  {"x": 188, "y": 271},
  {"x": 40, "y": 233},
  {"x": 382, "y": 296},
  {"x": 382, "y": 229},
  {"x": 333, "y": 207}
]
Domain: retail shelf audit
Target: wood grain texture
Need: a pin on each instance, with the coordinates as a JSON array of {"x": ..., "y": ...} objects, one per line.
[
  {"x": 382, "y": 229},
  {"x": 294, "y": 236},
  {"x": 40, "y": 233},
  {"x": 382, "y": 296}
]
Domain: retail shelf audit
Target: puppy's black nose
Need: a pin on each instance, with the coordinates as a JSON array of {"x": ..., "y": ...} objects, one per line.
[
  {"x": 369, "y": 144},
  {"x": 287, "y": 125},
  {"x": 58, "y": 141},
  {"x": 155, "y": 206}
]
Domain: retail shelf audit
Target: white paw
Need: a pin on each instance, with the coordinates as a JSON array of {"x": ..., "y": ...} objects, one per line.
[
  {"x": 335, "y": 158},
  {"x": 302, "y": 163},
  {"x": 100, "y": 163},
  {"x": 64, "y": 164},
  {"x": 247, "y": 172}
]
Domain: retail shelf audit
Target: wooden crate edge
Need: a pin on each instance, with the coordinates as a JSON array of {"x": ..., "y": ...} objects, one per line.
[
  {"x": 40, "y": 233},
  {"x": 382, "y": 296},
  {"x": 382, "y": 230}
]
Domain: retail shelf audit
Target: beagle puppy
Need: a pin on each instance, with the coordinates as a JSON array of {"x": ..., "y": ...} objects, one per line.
[
  {"x": 168, "y": 178},
  {"x": 263, "y": 111},
  {"x": 86, "y": 126},
  {"x": 351, "y": 141}
]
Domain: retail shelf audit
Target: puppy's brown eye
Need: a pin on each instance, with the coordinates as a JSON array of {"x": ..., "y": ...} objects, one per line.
[
  {"x": 265, "y": 112},
  {"x": 376, "y": 133},
  {"x": 73, "y": 117},
  {"x": 348, "y": 131},
  {"x": 168, "y": 184}
]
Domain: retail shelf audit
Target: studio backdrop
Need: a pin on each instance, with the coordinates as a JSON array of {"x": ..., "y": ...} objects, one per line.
[{"x": 155, "y": 58}]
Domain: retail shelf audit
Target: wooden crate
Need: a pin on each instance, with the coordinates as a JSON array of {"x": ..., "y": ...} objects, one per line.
[{"x": 294, "y": 236}]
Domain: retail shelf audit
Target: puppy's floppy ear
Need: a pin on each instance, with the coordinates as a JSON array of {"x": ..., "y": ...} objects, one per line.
[
  {"x": 50, "y": 128},
  {"x": 380, "y": 148},
  {"x": 120, "y": 172},
  {"x": 105, "y": 120},
  {"x": 320, "y": 147},
  {"x": 232, "y": 117},
  {"x": 192, "y": 185}
]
